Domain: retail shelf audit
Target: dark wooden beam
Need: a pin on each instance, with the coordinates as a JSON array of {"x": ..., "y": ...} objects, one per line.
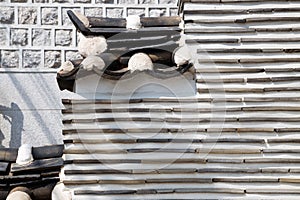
[
  {"x": 106, "y": 192},
  {"x": 108, "y": 27},
  {"x": 160, "y": 21},
  {"x": 145, "y": 22},
  {"x": 167, "y": 46},
  {"x": 43, "y": 191},
  {"x": 3, "y": 193},
  {"x": 144, "y": 41},
  {"x": 124, "y": 33},
  {"x": 107, "y": 22},
  {"x": 45, "y": 152},
  {"x": 38, "y": 165},
  {"x": 67, "y": 81},
  {"x": 3, "y": 167},
  {"x": 8, "y": 154},
  {"x": 78, "y": 23},
  {"x": 65, "y": 84},
  {"x": 141, "y": 42}
]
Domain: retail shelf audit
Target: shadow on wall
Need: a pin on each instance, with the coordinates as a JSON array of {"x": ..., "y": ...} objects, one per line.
[
  {"x": 15, "y": 117},
  {"x": 40, "y": 84}
]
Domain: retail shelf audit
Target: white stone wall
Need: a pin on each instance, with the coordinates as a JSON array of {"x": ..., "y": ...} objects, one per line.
[{"x": 38, "y": 33}]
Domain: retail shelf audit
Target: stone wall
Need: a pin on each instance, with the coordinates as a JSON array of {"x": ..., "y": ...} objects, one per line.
[{"x": 38, "y": 33}]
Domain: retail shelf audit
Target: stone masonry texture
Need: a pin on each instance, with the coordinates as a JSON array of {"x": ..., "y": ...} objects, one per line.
[
  {"x": 38, "y": 33},
  {"x": 31, "y": 59},
  {"x": 27, "y": 15}
]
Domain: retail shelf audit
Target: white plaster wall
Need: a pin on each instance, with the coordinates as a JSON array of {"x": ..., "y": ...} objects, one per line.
[
  {"x": 30, "y": 108},
  {"x": 140, "y": 85}
]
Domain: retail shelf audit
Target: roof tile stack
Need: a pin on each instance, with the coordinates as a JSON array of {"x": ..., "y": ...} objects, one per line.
[
  {"x": 237, "y": 139},
  {"x": 248, "y": 54},
  {"x": 39, "y": 176}
]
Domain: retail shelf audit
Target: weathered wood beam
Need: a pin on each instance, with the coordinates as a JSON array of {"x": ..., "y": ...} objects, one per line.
[
  {"x": 8, "y": 154},
  {"x": 145, "y": 21},
  {"x": 9, "y": 179},
  {"x": 141, "y": 41},
  {"x": 160, "y": 21},
  {"x": 107, "y": 22},
  {"x": 3, "y": 167},
  {"x": 108, "y": 31},
  {"x": 45, "y": 152},
  {"x": 167, "y": 46},
  {"x": 38, "y": 165},
  {"x": 149, "y": 31},
  {"x": 43, "y": 190},
  {"x": 78, "y": 23}
]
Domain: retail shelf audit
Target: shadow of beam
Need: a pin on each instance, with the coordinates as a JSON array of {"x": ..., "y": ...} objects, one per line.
[
  {"x": 28, "y": 100},
  {"x": 15, "y": 117}
]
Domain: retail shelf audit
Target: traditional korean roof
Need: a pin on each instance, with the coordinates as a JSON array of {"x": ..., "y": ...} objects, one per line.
[
  {"x": 40, "y": 176},
  {"x": 108, "y": 27},
  {"x": 238, "y": 138},
  {"x": 158, "y": 36}
]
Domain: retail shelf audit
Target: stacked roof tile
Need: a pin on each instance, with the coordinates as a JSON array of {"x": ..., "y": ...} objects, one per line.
[
  {"x": 39, "y": 176},
  {"x": 238, "y": 138}
]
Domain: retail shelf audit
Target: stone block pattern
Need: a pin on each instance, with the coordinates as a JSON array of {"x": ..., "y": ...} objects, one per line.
[{"x": 38, "y": 33}]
